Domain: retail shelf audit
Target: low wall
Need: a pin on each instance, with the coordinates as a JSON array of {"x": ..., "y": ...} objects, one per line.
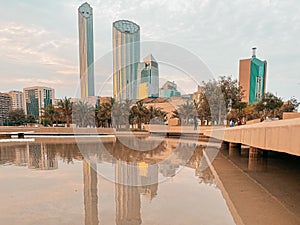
[
  {"x": 290, "y": 115},
  {"x": 281, "y": 135}
]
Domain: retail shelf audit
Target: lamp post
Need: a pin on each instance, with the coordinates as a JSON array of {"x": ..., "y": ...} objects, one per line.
[{"x": 265, "y": 110}]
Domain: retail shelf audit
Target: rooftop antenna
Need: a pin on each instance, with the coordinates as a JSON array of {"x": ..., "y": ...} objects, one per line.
[{"x": 254, "y": 52}]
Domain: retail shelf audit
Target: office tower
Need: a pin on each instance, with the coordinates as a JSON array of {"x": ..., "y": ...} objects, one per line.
[
  {"x": 86, "y": 50},
  {"x": 5, "y": 106},
  {"x": 252, "y": 78},
  {"x": 169, "y": 89},
  {"x": 36, "y": 99},
  {"x": 148, "y": 78},
  {"x": 17, "y": 100},
  {"x": 126, "y": 56}
]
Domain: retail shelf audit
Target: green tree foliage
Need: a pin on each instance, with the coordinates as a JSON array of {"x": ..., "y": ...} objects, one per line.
[
  {"x": 48, "y": 115},
  {"x": 65, "y": 107},
  {"x": 16, "y": 117},
  {"x": 30, "y": 119},
  {"x": 83, "y": 114},
  {"x": 186, "y": 113},
  {"x": 290, "y": 106},
  {"x": 269, "y": 105}
]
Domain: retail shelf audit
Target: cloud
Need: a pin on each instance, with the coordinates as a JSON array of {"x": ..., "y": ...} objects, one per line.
[
  {"x": 41, "y": 40},
  {"x": 28, "y": 44}
]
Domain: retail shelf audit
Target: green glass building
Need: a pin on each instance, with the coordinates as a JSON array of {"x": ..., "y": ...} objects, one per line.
[{"x": 252, "y": 78}]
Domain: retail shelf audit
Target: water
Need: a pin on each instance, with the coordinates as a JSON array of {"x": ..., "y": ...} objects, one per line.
[{"x": 57, "y": 181}]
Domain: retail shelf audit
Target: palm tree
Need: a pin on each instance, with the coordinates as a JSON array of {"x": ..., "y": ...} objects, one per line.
[
  {"x": 186, "y": 112},
  {"x": 49, "y": 114},
  {"x": 65, "y": 105},
  {"x": 84, "y": 114},
  {"x": 138, "y": 114}
]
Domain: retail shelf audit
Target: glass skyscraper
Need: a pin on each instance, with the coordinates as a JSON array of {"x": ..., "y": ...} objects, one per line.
[
  {"x": 86, "y": 50},
  {"x": 37, "y": 98},
  {"x": 126, "y": 56},
  {"x": 148, "y": 81},
  {"x": 252, "y": 77}
]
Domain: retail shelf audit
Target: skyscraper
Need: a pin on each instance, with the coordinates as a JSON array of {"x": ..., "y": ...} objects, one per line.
[
  {"x": 148, "y": 78},
  {"x": 17, "y": 99},
  {"x": 5, "y": 106},
  {"x": 126, "y": 56},
  {"x": 36, "y": 99},
  {"x": 86, "y": 50},
  {"x": 252, "y": 78}
]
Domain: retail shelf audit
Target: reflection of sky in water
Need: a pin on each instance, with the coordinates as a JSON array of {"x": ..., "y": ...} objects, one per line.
[{"x": 65, "y": 195}]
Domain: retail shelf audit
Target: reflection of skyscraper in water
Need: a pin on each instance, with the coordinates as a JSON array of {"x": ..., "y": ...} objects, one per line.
[
  {"x": 21, "y": 156},
  {"x": 90, "y": 193},
  {"x": 132, "y": 180},
  {"x": 41, "y": 158},
  {"x": 128, "y": 199}
]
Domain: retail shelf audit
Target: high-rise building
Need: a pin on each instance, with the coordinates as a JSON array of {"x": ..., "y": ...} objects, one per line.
[
  {"x": 168, "y": 90},
  {"x": 252, "y": 78},
  {"x": 126, "y": 57},
  {"x": 86, "y": 50},
  {"x": 17, "y": 100},
  {"x": 37, "y": 98},
  {"x": 148, "y": 81},
  {"x": 5, "y": 106}
]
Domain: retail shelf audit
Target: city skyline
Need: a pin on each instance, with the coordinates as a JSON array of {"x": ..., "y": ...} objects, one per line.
[{"x": 41, "y": 48}]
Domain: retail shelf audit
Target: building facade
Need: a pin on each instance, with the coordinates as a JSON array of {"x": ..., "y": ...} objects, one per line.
[
  {"x": 36, "y": 99},
  {"x": 17, "y": 100},
  {"x": 5, "y": 107},
  {"x": 126, "y": 57},
  {"x": 252, "y": 78},
  {"x": 168, "y": 90},
  {"x": 86, "y": 50},
  {"x": 148, "y": 80}
]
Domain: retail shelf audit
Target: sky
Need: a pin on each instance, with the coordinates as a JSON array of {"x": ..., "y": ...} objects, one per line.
[{"x": 39, "y": 41}]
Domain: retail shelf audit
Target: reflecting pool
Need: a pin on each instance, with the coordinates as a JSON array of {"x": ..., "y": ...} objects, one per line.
[{"x": 61, "y": 181}]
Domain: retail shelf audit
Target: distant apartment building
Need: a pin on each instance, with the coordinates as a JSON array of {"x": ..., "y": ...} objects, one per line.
[
  {"x": 168, "y": 90},
  {"x": 126, "y": 58},
  {"x": 5, "y": 107},
  {"x": 148, "y": 80},
  {"x": 252, "y": 78},
  {"x": 36, "y": 99},
  {"x": 17, "y": 100},
  {"x": 86, "y": 50}
]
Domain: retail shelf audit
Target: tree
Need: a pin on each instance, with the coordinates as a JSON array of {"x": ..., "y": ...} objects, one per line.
[
  {"x": 186, "y": 112},
  {"x": 289, "y": 106},
  {"x": 16, "y": 117},
  {"x": 138, "y": 114},
  {"x": 48, "y": 115},
  {"x": 83, "y": 114},
  {"x": 30, "y": 119},
  {"x": 269, "y": 105},
  {"x": 65, "y": 105}
]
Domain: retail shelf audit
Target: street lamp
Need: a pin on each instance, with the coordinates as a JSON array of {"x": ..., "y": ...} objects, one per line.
[{"x": 265, "y": 110}]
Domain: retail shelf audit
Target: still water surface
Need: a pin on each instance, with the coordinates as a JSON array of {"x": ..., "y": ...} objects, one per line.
[{"x": 50, "y": 182}]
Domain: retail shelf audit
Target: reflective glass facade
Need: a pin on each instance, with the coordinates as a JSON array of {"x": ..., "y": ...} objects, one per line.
[
  {"x": 36, "y": 99},
  {"x": 126, "y": 56},
  {"x": 86, "y": 50}
]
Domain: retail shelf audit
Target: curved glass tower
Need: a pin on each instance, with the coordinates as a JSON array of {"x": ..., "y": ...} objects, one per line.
[
  {"x": 126, "y": 57},
  {"x": 86, "y": 50}
]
